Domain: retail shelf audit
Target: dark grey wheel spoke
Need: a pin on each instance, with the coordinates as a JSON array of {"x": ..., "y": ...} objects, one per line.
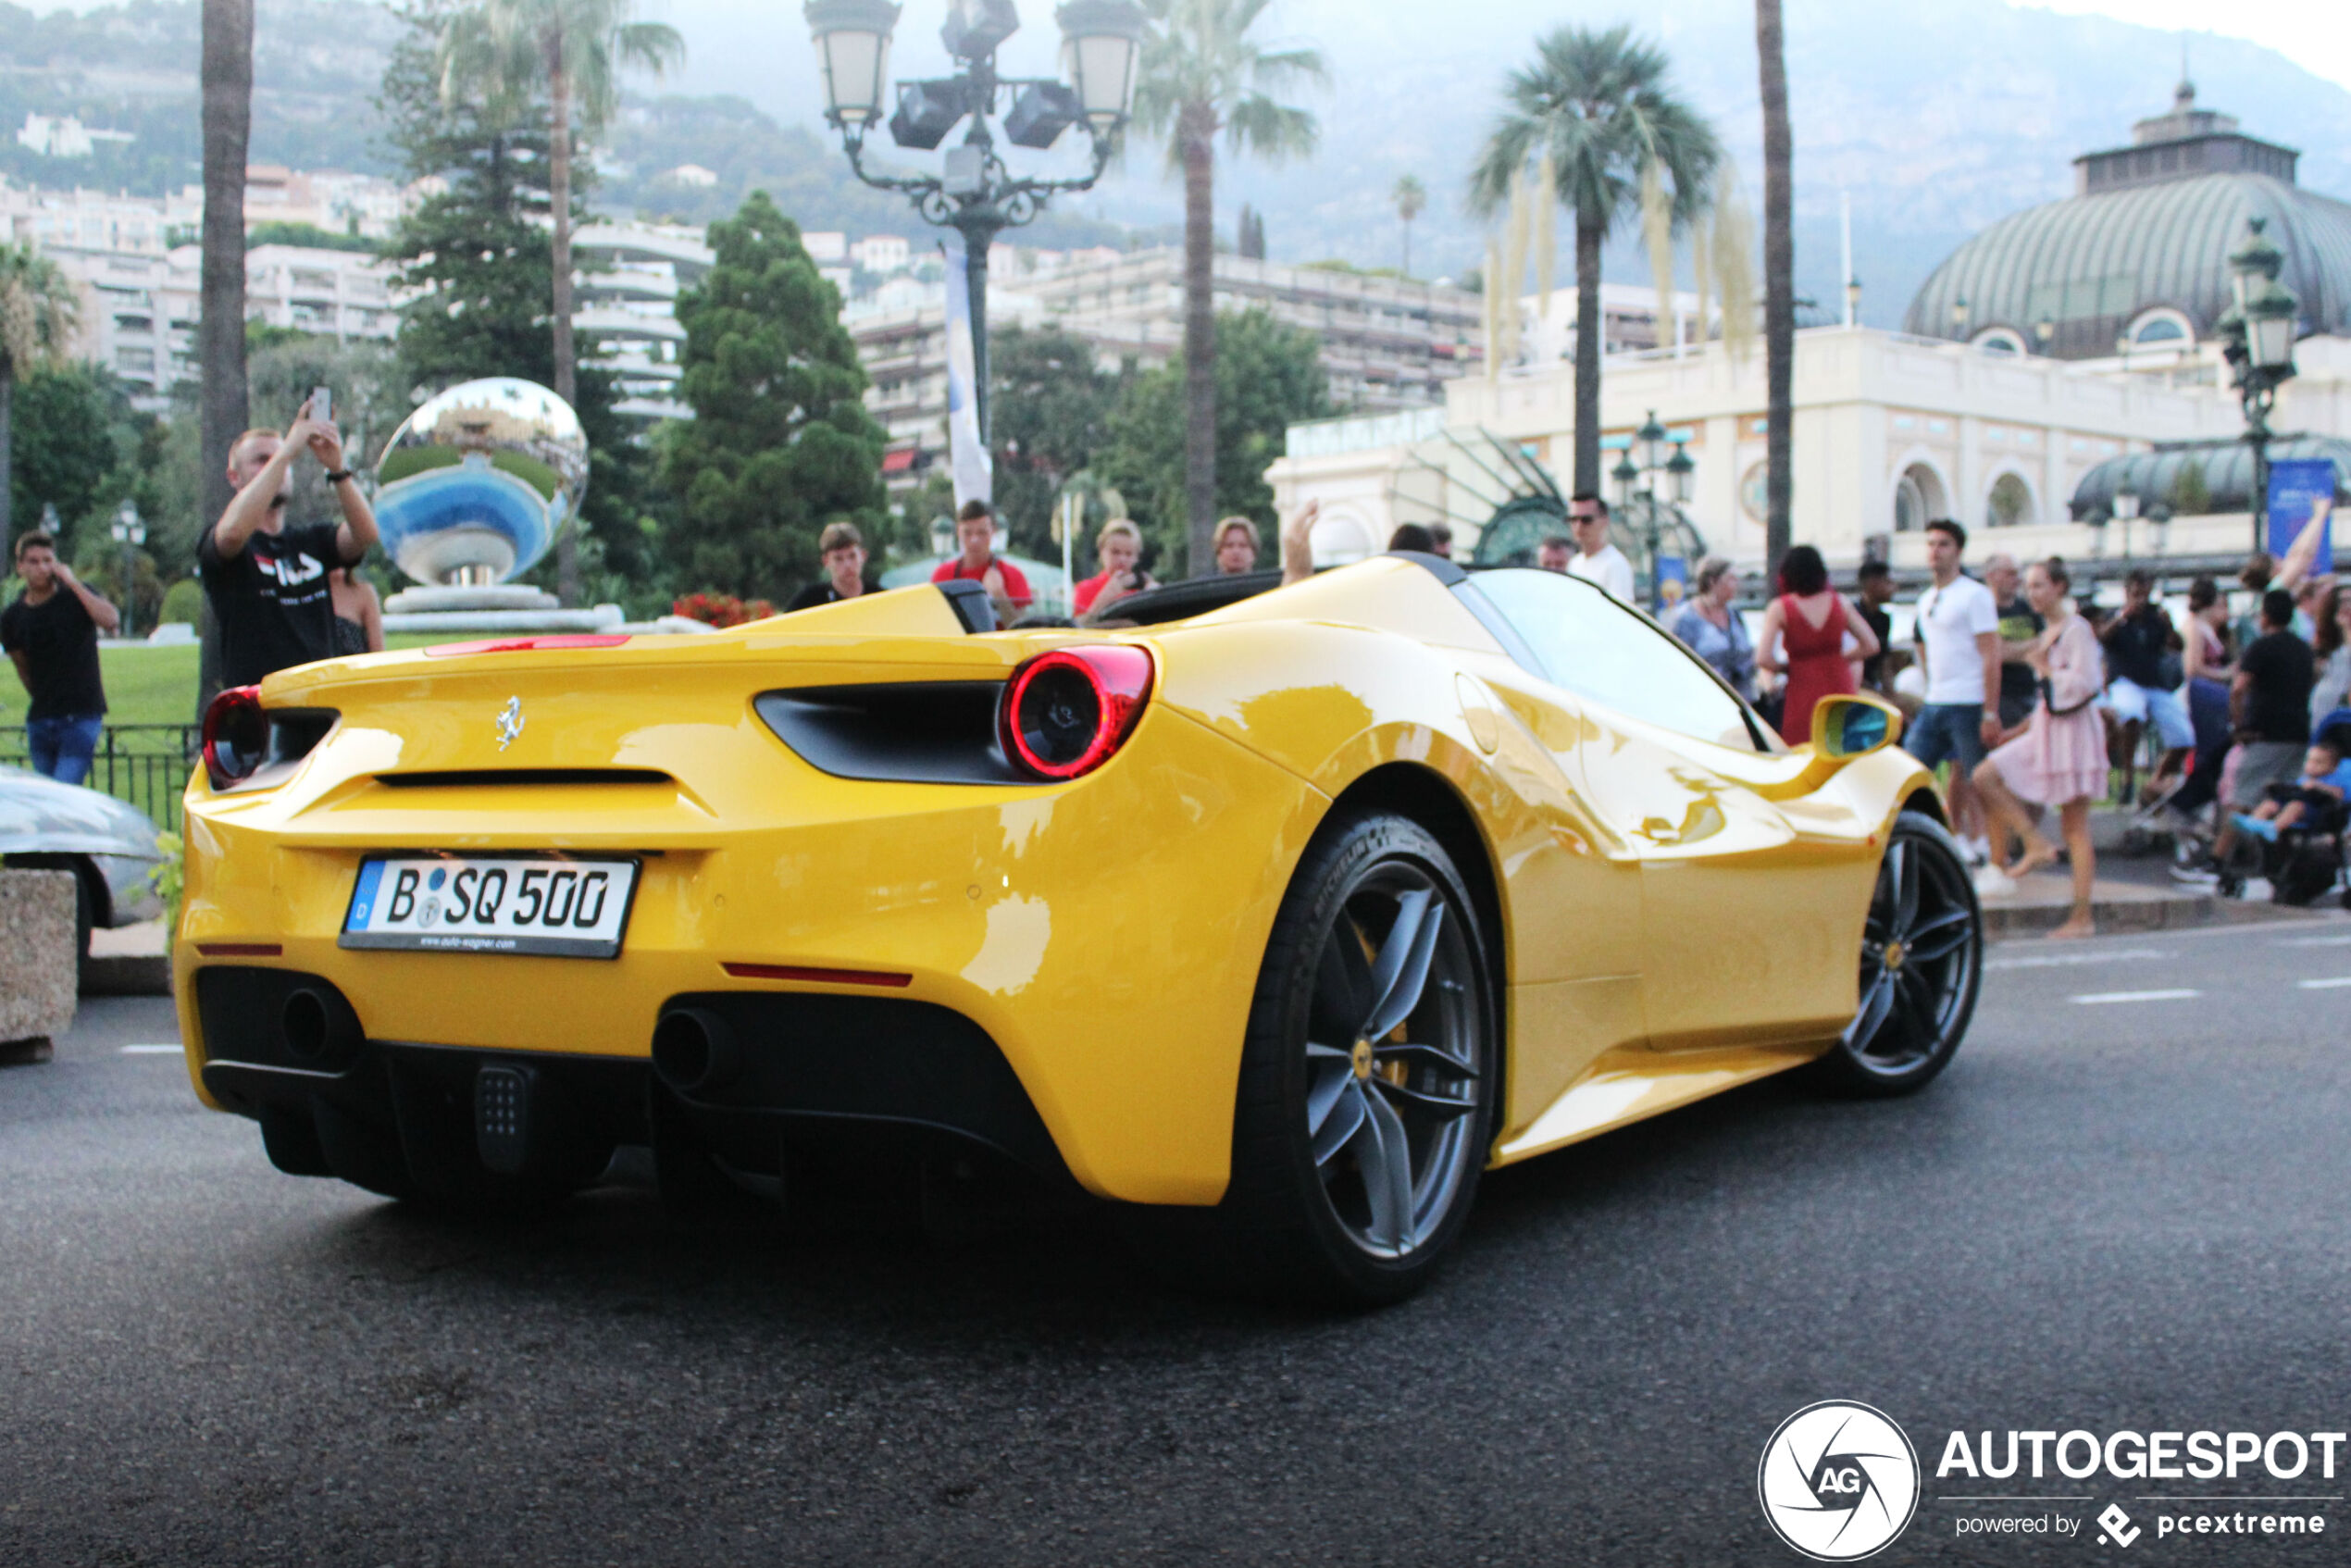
[
  {"x": 1350, "y": 1112},
  {"x": 1384, "y": 1154},
  {"x": 1435, "y": 1104},
  {"x": 1342, "y": 984},
  {"x": 1329, "y": 1072},
  {"x": 1401, "y": 970},
  {"x": 1918, "y": 1002},
  {"x": 1939, "y": 936},
  {"x": 1902, "y": 862},
  {"x": 1423, "y": 1056},
  {"x": 1877, "y": 999}
]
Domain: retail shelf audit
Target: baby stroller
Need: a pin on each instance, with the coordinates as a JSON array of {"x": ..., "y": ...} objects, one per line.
[{"x": 2306, "y": 862}]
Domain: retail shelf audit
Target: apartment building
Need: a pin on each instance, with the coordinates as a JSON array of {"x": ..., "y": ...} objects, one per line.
[
  {"x": 1387, "y": 345},
  {"x": 626, "y": 307}
]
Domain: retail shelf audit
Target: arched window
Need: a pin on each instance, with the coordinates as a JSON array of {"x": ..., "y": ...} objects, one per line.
[
  {"x": 1919, "y": 499},
  {"x": 2160, "y": 327},
  {"x": 2010, "y": 502},
  {"x": 1999, "y": 340}
]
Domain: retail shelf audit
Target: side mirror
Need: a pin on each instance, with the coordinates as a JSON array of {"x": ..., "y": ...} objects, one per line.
[{"x": 1847, "y": 727}]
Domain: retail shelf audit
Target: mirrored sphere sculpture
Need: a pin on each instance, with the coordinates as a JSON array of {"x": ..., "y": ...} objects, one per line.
[{"x": 473, "y": 486}]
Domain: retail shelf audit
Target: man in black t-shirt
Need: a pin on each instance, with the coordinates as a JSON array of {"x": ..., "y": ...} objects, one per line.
[
  {"x": 2269, "y": 706},
  {"x": 1876, "y": 584},
  {"x": 267, "y": 583},
  {"x": 2020, "y": 624},
  {"x": 842, "y": 550},
  {"x": 2138, "y": 642},
  {"x": 51, "y": 634}
]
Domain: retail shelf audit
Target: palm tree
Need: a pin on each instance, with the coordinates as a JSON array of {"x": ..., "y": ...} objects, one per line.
[
  {"x": 508, "y": 51},
  {"x": 1411, "y": 199},
  {"x": 1598, "y": 105},
  {"x": 1779, "y": 286},
  {"x": 1203, "y": 74},
  {"x": 38, "y": 312},
  {"x": 226, "y": 73}
]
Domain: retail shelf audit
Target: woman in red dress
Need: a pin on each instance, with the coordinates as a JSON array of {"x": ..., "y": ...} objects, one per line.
[{"x": 1804, "y": 637}]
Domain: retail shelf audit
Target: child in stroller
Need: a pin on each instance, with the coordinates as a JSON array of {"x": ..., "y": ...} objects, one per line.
[{"x": 2301, "y": 825}]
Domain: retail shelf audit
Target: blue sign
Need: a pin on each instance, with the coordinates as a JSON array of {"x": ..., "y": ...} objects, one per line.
[{"x": 2294, "y": 486}]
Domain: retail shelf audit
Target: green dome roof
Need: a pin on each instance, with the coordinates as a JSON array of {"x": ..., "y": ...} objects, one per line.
[
  {"x": 2224, "y": 469},
  {"x": 2091, "y": 264}
]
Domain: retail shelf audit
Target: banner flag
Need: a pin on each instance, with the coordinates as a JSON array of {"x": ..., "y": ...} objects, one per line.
[{"x": 967, "y": 455}]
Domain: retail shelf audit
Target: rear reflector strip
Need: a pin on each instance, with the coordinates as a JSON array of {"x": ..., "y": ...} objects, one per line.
[
  {"x": 241, "y": 949},
  {"x": 527, "y": 644},
  {"x": 822, "y": 976}
]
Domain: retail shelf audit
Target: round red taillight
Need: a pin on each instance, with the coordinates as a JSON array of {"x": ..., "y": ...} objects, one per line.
[
  {"x": 1066, "y": 712},
  {"x": 236, "y": 736}
]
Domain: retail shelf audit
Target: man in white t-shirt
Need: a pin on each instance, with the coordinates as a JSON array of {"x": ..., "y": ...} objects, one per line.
[
  {"x": 1596, "y": 559},
  {"x": 1958, "y": 639}
]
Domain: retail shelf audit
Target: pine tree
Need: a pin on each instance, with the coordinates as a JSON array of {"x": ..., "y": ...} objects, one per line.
[{"x": 780, "y": 444}]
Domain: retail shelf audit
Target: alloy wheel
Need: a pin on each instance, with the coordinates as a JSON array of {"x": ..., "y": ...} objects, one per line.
[{"x": 1395, "y": 1068}]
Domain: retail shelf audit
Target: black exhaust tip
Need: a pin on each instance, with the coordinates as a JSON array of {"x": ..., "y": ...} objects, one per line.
[
  {"x": 316, "y": 1025},
  {"x": 694, "y": 1050}
]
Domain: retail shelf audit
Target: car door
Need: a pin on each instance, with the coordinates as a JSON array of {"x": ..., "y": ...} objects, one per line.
[{"x": 1750, "y": 907}]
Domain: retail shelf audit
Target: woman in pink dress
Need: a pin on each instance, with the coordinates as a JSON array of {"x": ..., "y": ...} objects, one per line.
[
  {"x": 2060, "y": 760},
  {"x": 1803, "y": 635}
]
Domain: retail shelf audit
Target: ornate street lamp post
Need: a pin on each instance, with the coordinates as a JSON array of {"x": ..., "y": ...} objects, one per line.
[
  {"x": 975, "y": 195},
  {"x": 2126, "y": 510},
  {"x": 130, "y": 531},
  {"x": 2256, "y": 338},
  {"x": 1660, "y": 453}
]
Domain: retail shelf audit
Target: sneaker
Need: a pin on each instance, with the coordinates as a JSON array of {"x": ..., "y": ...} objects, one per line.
[
  {"x": 1976, "y": 851},
  {"x": 2196, "y": 875},
  {"x": 1991, "y": 882}
]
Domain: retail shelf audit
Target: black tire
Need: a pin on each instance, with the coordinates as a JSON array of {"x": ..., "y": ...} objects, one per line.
[
  {"x": 1355, "y": 1160},
  {"x": 1922, "y": 967}
]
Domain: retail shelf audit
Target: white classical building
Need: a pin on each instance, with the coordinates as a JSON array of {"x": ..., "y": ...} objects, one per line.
[
  {"x": 2066, "y": 354},
  {"x": 1889, "y": 431}
]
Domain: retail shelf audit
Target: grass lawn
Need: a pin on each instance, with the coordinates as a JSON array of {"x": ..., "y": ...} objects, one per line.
[{"x": 147, "y": 685}]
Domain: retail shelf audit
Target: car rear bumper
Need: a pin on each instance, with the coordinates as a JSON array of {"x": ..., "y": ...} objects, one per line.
[
  {"x": 819, "y": 1072},
  {"x": 1102, "y": 939}
]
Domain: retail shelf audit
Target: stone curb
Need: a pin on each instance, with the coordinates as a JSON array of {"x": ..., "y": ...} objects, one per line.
[
  {"x": 2162, "y": 914},
  {"x": 126, "y": 975}
]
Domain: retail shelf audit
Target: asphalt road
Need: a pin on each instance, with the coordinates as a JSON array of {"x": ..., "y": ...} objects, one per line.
[{"x": 2121, "y": 1213}]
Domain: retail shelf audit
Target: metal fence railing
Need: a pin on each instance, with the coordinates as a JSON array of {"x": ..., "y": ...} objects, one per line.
[{"x": 143, "y": 763}]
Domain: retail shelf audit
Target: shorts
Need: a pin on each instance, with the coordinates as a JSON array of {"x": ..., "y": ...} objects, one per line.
[
  {"x": 2261, "y": 764},
  {"x": 2134, "y": 703},
  {"x": 1948, "y": 732},
  {"x": 2016, "y": 706}
]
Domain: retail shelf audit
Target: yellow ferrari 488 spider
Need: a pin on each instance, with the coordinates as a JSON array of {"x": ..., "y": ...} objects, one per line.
[{"x": 1274, "y": 919}]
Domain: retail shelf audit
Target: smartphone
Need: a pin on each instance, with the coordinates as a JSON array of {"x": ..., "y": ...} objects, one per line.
[{"x": 322, "y": 404}]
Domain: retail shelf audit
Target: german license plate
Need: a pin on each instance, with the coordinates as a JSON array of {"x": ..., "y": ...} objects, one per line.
[{"x": 463, "y": 903}]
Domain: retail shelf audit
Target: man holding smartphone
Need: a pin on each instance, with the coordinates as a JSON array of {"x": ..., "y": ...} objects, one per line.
[{"x": 266, "y": 582}]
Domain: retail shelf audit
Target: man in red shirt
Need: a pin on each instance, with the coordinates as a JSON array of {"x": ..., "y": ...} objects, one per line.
[{"x": 975, "y": 532}]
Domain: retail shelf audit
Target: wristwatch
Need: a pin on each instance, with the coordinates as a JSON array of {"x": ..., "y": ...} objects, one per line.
[{"x": 336, "y": 476}]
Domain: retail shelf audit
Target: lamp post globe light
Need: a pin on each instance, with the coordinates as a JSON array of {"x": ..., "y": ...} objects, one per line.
[
  {"x": 130, "y": 533},
  {"x": 974, "y": 193},
  {"x": 2256, "y": 338}
]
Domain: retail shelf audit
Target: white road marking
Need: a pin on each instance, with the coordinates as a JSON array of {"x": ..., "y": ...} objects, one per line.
[
  {"x": 2057, "y": 960},
  {"x": 154, "y": 1051},
  {"x": 2318, "y": 941},
  {"x": 2325, "y": 985},
  {"x": 2096, "y": 999}
]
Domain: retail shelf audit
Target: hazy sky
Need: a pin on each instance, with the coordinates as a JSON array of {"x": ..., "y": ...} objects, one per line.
[{"x": 2315, "y": 33}]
